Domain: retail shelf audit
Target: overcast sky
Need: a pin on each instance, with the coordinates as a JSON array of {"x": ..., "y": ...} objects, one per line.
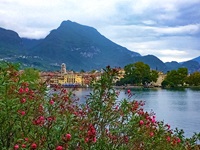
[{"x": 168, "y": 29}]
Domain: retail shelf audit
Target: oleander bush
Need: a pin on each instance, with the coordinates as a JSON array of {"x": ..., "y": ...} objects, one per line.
[{"x": 34, "y": 117}]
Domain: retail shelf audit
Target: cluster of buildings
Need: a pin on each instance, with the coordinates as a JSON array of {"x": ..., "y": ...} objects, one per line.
[
  {"x": 69, "y": 78},
  {"x": 81, "y": 79}
]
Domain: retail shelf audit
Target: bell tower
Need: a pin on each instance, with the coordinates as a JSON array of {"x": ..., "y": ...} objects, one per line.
[{"x": 63, "y": 68}]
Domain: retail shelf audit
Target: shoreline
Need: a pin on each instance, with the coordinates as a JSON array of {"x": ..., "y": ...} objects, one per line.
[{"x": 135, "y": 86}]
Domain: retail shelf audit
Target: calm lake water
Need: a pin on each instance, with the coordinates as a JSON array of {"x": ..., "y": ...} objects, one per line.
[{"x": 179, "y": 108}]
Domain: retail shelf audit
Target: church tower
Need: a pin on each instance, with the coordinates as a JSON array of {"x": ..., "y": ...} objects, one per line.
[{"x": 63, "y": 68}]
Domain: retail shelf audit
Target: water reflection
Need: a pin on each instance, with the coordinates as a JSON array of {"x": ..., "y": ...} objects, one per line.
[
  {"x": 195, "y": 88},
  {"x": 179, "y": 89}
]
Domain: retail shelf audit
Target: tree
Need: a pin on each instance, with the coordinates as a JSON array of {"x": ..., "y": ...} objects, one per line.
[
  {"x": 175, "y": 78},
  {"x": 138, "y": 73},
  {"x": 182, "y": 72},
  {"x": 194, "y": 79},
  {"x": 154, "y": 75}
]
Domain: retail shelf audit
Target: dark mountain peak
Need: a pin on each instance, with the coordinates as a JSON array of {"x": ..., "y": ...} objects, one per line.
[
  {"x": 69, "y": 22},
  {"x": 66, "y": 21},
  {"x": 74, "y": 26},
  {"x": 9, "y": 40},
  {"x": 70, "y": 31}
]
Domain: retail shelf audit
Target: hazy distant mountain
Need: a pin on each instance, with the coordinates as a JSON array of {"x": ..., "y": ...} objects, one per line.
[
  {"x": 191, "y": 65},
  {"x": 30, "y": 43},
  {"x": 197, "y": 59},
  {"x": 173, "y": 65}
]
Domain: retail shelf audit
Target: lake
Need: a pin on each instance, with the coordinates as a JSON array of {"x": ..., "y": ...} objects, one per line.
[{"x": 179, "y": 108}]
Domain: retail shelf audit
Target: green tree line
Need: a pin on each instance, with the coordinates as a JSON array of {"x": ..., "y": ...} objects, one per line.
[
  {"x": 141, "y": 74},
  {"x": 180, "y": 78}
]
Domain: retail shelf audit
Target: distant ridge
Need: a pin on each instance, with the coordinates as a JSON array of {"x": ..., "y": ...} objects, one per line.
[
  {"x": 197, "y": 59},
  {"x": 80, "y": 47}
]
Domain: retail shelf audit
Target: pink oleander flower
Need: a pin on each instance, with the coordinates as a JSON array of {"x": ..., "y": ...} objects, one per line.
[
  {"x": 33, "y": 146},
  {"x": 26, "y": 89},
  {"x": 59, "y": 148},
  {"x": 141, "y": 112},
  {"x": 168, "y": 138},
  {"x": 68, "y": 136},
  {"x": 16, "y": 147},
  {"x": 31, "y": 92},
  {"x": 178, "y": 140},
  {"x": 86, "y": 140},
  {"x": 39, "y": 121},
  {"x": 51, "y": 118},
  {"x": 21, "y": 112},
  {"x": 23, "y": 146},
  {"x": 23, "y": 100},
  {"x": 21, "y": 90},
  {"x": 151, "y": 134},
  {"x": 51, "y": 102},
  {"x": 141, "y": 122},
  {"x": 153, "y": 120},
  {"x": 94, "y": 140}
]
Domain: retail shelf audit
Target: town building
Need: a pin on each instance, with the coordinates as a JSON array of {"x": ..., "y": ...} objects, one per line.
[{"x": 160, "y": 79}]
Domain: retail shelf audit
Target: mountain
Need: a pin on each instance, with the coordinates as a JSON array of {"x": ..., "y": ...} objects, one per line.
[
  {"x": 13, "y": 48},
  {"x": 197, "y": 59},
  {"x": 30, "y": 43},
  {"x": 191, "y": 65},
  {"x": 81, "y": 47},
  {"x": 154, "y": 62},
  {"x": 174, "y": 65},
  {"x": 10, "y": 43}
]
